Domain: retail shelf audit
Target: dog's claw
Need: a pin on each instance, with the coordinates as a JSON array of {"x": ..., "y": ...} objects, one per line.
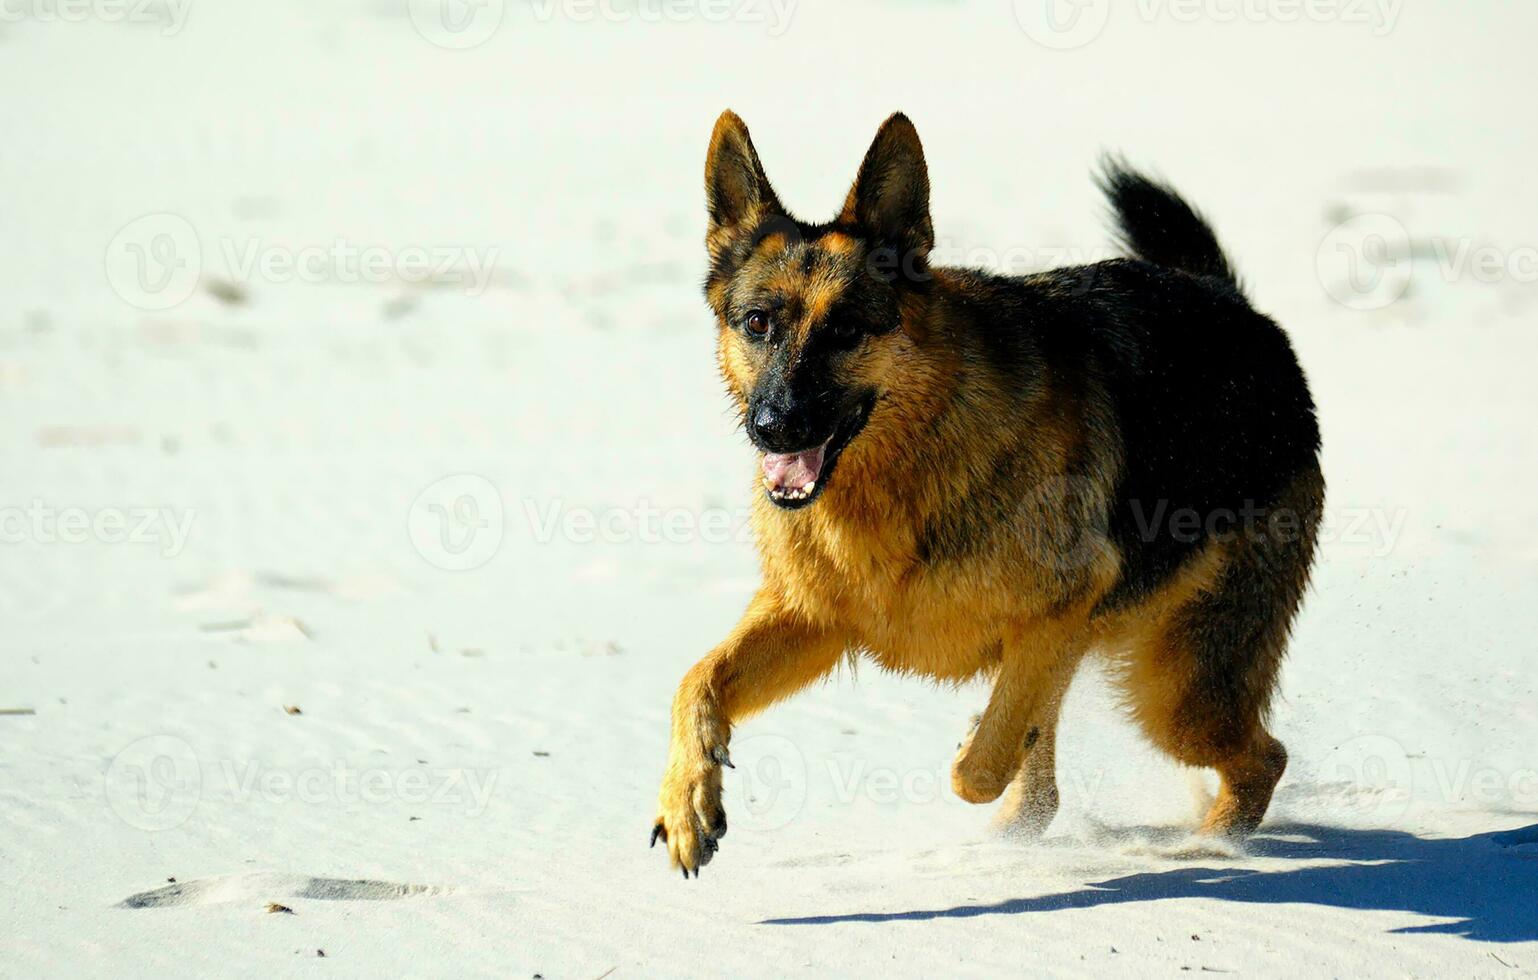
[
  {"x": 658, "y": 831},
  {"x": 722, "y": 757}
]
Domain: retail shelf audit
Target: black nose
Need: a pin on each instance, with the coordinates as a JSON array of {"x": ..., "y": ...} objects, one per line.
[
  {"x": 769, "y": 425},
  {"x": 780, "y": 425}
]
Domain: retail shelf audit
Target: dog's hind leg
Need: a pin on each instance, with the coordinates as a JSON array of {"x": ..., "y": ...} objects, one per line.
[
  {"x": 1202, "y": 675},
  {"x": 1031, "y": 800},
  {"x": 1249, "y": 777}
]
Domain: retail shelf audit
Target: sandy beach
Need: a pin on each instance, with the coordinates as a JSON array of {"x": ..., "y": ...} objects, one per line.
[{"x": 369, "y": 486}]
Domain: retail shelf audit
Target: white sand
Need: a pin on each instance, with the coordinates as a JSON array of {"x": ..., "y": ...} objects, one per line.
[{"x": 468, "y": 785}]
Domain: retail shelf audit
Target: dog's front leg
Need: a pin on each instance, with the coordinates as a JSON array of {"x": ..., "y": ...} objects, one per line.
[
  {"x": 771, "y": 654},
  {"x": 1035, "y": 666}
]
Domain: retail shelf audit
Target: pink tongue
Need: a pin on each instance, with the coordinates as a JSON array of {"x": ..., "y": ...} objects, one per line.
[{"x": 793, "y": 471}]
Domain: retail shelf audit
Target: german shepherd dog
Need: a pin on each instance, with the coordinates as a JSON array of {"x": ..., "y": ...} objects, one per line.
[{"x": 965, "y": 474}]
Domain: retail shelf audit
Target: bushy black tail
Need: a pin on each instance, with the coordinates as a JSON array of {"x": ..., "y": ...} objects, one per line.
[{"x": 1156, "y": 225}]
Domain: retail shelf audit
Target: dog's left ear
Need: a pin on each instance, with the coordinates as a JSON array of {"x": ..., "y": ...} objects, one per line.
[{"x": 890, "y": 198}]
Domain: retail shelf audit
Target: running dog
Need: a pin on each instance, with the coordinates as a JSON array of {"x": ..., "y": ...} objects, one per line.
[{"x": 963, "y": 474}]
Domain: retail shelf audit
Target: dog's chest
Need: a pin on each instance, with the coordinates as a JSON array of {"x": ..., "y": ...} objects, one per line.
[
  {"x": 923, "y": 631},
  {"x": 910, "y": 618},
  {"x": 942, "y": 620}
]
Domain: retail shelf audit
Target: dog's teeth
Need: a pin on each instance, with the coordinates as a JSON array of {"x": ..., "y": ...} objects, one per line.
[{"x": 790, "y": 493}]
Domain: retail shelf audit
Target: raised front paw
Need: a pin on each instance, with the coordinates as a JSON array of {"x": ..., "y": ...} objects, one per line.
[{"x": 690, "y": 817}]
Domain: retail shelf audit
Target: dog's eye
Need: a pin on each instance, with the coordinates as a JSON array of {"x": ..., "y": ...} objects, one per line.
[
  {"x": 845, "y": 331},
  {"x": 756, "y": 323}
]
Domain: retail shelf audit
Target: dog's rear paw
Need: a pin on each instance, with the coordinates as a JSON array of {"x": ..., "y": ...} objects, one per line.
[{"x": 1028, "y": 808}]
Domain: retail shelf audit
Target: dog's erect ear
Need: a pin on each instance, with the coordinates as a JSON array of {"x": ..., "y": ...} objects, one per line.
[
  {"x": 890, "y": 198},
  {"x": 736, "y": 189}
]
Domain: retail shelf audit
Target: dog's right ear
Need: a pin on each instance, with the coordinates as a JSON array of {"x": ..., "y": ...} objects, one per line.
[{"x": 736, "y": 188}]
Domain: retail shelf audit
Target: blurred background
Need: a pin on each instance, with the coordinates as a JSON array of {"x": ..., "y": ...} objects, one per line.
[{"x": 353, "y": 360}]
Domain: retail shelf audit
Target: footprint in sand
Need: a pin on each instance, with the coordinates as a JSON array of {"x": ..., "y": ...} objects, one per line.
[{"x": 266, "y": 886}]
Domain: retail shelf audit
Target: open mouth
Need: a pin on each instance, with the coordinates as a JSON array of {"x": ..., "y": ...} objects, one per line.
[{"x": 794, "y": 480}]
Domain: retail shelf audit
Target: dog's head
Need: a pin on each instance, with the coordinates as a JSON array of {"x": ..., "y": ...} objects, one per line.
[{"x": 811, "y": 317}]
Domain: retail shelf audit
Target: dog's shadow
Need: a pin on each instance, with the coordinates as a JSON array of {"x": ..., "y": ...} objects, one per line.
[{"x": 1485, "y": 883}]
